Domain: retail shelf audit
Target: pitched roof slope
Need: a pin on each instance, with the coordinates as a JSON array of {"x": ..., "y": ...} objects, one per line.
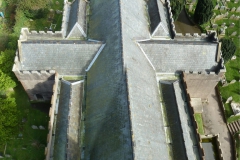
[
  {"x": 189, "y": 135},
  {"x": 174, "y": 124},
  {"x": 107, "y": 126},
  {"x": 145, "y": 111},
  {"x": 77, "y": 19},
  {"x": 66, "y": 57},
  {"x": 62, "y": 122},
  {"x": 68, "y": 121},
  {"x": 170, "y": 56},
  {"x": 159, "y": 22}
]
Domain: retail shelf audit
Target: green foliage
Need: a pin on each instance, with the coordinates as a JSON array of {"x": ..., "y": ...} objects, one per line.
[
  {"x": 228, "y": 49},
  {"x": 198, "y": 118},
  {"x": 176, "y": 8},
  {"x": 36, "y": 14},
  {"x": 7, "y": 60},
  {"x": 8, "y": 118},
  {"x": 21, "y": 21},
  {"x": 6, "y": 82},
  {"x": 203, "y": 11},
  {"x": 32, "y": 4}
]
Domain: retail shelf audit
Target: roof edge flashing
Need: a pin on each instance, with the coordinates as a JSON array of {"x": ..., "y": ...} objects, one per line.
[
  {"x": 146, "y": 56},
  {"x": 95, "y": 57},
  {"x": 79, "y": 28}
]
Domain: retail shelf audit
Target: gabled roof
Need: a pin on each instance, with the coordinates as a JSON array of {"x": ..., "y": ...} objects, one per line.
[
  {"x": 148, "y": 135},
  {"x": 62, "y": 121},
  {"x": 159, "y": 19},
  {"x": 66, "y": 142},
  {"x": 123, "y": 114},
  {"x": 66, "y": 57},
  {"x": 77, "y": 19},
  {"x": 170, "y": 56},
  {"x": 107, "y": 125}
]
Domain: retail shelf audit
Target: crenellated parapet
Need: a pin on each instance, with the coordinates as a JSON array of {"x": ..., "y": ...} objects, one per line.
[
  {"x": 200, "y": 72},
  {"x": 26, "y": 35},
  {"x": 191, "y": 37},
  {"x": 171, "y": 20},
  {"x": 34, "y": 75}
]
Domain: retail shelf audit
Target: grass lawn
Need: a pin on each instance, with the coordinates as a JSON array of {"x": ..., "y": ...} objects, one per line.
[
  {"x": 198, "y": 118},
  {"x": 32, "y": 143},
  {"x": 49, "y": 17},
  {"x": 226, "y": 92}
]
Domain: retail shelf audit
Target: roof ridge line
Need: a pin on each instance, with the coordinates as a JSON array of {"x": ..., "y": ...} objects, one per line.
[{"x": 125, "y": 76}]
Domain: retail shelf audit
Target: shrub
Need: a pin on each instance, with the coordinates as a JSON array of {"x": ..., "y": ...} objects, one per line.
[
  {"x": 203, "y": 11},
  {"x": 176, "y": 8},
  {"x": 228, "y": 49}
]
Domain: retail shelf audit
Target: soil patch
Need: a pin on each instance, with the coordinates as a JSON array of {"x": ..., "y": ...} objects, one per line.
[{"x": 184, "y": 25}]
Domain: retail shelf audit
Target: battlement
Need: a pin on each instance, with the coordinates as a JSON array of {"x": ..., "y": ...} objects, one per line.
[
  {"x": 188, "y": 36},
  {"x": 39, "y": 35},
  {"x": 171, "y": 20},
  {"x": 33, "y": 75},
  {"x": 200, "y": 72}
]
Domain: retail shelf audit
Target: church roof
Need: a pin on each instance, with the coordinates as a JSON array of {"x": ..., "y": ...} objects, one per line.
[
  {"x": 67, "y": 131},
  {"x": 159, "y": 21},
  {"x": 77, "y": 19},
  {"x": 123, "y": 113},
  {"x": 66, "y": 57},
  {"x": 172, "y": 55},
  {"x": 143, "y": 94}
]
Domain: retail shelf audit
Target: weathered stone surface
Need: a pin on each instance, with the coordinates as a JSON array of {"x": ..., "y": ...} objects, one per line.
[
  {"x": 34, "y": 127},
  {"x": 20, "y": 135},
  {"x": 24, "y": 120},
  {"x": 214, "y": 26},
  {"x": 233, "y": 58},
  {"x": 233, "y": 9},
  {"x": 222, "y": 8},
  {"x": 229, "y": 99},
  {"x": 238, "y": 9},
  {"x": 232, "y": 25},
  {"x": 234, "y": 33},
  {"x": 232, "y": 16},
  {"x": 233, "y": 81},
  {"x": 7, "y": 155},
  {"x": 41, "y": 127},
  {"x": 236, "y": 18},
  {"x": 235, "y": 107}
]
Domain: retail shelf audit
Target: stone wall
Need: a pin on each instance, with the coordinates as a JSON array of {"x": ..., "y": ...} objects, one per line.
[
  {"x": 218, "y": 144},
  {"x": 37, "y": 84},
  {"x": 195, "y": 124},
  {"x": 171, "y": 20},
  {"x": 54, "y": 103}
]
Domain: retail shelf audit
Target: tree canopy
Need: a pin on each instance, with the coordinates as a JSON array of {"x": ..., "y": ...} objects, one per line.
[
  {"x": 8, "y": 118},
  {"x": 203, "y": 11},
  {"x": 29, "y": 4},
  {"x": 6, "y": 60},
  {"x": 6, "y": 82},
  {"x": 176, "y": 7},
  {"x": 228, "y": 49}
]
